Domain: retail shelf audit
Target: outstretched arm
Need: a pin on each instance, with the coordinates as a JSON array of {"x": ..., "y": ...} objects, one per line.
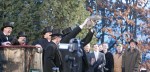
[
  {"x": 74, "y": 32},
  {"x": 88, "y": 37}
]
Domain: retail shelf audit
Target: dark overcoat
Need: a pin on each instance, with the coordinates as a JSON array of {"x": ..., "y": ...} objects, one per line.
[
  {"x": 52, "y": 58},
  {"x": 131, "y": 60}
]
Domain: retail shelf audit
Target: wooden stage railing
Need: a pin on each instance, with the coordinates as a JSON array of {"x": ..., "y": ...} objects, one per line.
[{"x": 20, "y": 59}]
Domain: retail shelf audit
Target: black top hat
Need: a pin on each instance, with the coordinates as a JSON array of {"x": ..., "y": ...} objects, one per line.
[
  {"x": 47, "y": 29},
  {"x": 66, "y": 31},
  {"x": 7, "y": 24},
  {"x": 21, "y": 34},
  {"x": 56, "y": 32},
  {"x": 132, "y": 40}
]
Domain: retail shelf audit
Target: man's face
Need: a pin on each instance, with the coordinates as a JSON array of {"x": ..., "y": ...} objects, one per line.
[
  {"x": 100, "y": 47},
  {"x": 59, "y": 38},
  {"x": 22, "y": 40},
  {"x": 87, "y": 48},
  {"x": 7, "y": 30},
  {"x": 119, "y": 49},
  {"x": 96, "y": 48},
  {"x": 105, "y": 47},
  {"x": 132, "y": 44},
  {"x": 47, "y": 35}
]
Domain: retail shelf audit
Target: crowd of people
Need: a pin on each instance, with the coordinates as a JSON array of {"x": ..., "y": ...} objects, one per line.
[{"x": 95, "y": 58}]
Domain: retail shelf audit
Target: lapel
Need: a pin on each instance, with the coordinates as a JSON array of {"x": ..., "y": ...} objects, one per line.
[
  {"x": 98, "y": 56},
  {"x": 96, "y": 62}
]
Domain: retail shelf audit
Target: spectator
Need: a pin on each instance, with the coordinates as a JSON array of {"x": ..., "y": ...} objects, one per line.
[
  {"x": 87, "y": 51},
  {"x": 87, "y": 48},
  {"x": 101, "y": 48},
  {"x": 109, "y": 59},
  {"x": 118, "y": 58},
  {"x": 131, "y": 58},
  {"x": 97, "y": 60}
]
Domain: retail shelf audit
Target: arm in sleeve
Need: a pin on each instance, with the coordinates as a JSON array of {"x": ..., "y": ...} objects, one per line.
[
  {"x": 35, "y": 42},
  {"x": 88, "y": 38},
  {"x": 71, "y": 35}
]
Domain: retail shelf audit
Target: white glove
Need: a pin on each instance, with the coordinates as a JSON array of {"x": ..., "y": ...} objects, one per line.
[{"x": 6, "y": 43}]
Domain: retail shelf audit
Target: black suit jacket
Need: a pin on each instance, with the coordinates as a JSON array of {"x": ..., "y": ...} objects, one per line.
[
  {"x": 87, "y": 38},
  {"x": 100, "y": 61},
  {"x": 52, "y": 58},
  {"x": 4, "y": 39}
]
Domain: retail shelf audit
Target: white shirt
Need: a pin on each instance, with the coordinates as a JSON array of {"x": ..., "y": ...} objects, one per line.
[{"x": 96, "y": 55}]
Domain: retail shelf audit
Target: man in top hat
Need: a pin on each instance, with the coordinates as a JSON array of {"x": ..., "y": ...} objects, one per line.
[
  {"x": 68, "y": 34},
  {"x": 20, "y": 40},
  {"x": 52, "y": 55},
  {"x": 45, "y": 40},
  {"x": 5, "y": 34},
  {"x": 131, "y": 58}
]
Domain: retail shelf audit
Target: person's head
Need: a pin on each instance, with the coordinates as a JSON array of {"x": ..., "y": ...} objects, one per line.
[
  {"x": 47, "y": 32},
  {"x": 132, "y": 43},
  {"x": 119, "y": 48},
  {"x": 96, "y": 48},
  {"x": 87, "y": 48},
  {"x": 56, "y": 35},
  {"x": 100, "y": 47},
  {"x": 7, "y": 28},
  {"x": 105, "y": 47},
  {"x": 22, "y": 38}
]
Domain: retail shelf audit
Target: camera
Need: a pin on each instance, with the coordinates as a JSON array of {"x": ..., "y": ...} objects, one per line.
[
  {"x": 74, "y": 45},
  {"x": 72, "y": 55}
]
